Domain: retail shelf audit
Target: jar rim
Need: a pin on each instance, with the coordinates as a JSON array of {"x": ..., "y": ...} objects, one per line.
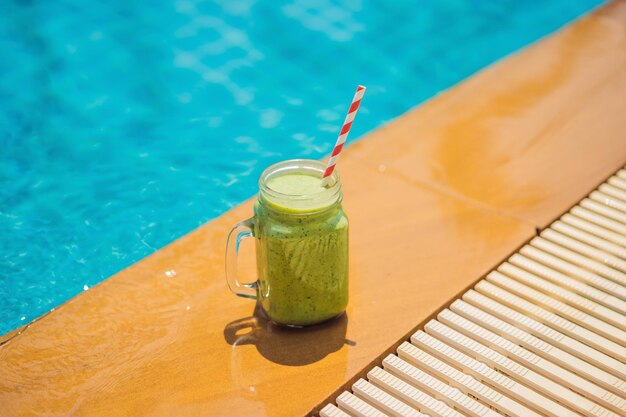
[{"x": 329, "y": 195}]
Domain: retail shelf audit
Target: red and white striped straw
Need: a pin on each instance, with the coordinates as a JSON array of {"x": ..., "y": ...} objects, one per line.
[{"x": 343, "y": 134}]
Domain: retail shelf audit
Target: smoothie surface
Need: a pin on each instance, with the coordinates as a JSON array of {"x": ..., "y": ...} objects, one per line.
[{"x": 296, "y": 184}]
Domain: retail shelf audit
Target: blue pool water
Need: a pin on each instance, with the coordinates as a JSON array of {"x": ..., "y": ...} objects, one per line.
[{"x": 125, "y": 124}]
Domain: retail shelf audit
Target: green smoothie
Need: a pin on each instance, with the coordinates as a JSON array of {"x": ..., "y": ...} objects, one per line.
[{"x": 302, "y": 250}]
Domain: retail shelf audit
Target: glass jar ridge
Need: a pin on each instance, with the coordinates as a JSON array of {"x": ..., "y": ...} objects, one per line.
[{"x": 305, "y": 204}]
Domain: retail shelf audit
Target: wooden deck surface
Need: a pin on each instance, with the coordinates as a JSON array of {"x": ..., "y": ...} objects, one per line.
[{"x": 435, "y": 199}]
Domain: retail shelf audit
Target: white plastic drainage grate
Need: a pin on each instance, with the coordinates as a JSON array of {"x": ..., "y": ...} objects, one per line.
[{"x": 543, "y": 334}]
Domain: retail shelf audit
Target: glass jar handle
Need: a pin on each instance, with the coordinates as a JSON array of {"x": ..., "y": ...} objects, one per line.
[{"x": 238, "y": 233}]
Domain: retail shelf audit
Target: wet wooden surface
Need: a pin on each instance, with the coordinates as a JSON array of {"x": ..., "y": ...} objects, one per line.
[{"x": 435, "y": 199}]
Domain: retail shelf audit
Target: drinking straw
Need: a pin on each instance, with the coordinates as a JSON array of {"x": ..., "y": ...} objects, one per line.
[{"x": 343, "y": 134}]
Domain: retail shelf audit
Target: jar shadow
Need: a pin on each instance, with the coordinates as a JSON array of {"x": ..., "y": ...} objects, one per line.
[{"x": 286, "y": 345}]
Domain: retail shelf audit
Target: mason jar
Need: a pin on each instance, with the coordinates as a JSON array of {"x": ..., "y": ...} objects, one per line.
[{"x": 301, "y": 236}]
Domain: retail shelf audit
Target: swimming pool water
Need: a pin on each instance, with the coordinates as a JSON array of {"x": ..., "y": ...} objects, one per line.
[{"x": 124, "y": 125}]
